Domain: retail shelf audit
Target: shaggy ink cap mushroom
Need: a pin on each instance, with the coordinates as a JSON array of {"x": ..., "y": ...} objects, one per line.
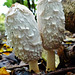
[
  {"x": 23, "y": 34},
  {"x": 51, "y": 23}
]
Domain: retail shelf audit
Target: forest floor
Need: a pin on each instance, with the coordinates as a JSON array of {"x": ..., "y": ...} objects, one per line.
[{"x": 11, "y": 65}]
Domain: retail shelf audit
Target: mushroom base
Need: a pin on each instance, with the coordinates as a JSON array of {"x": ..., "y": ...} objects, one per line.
[
  {"x": 50, "y": 60},
  {"x": 33, "y": 66}
]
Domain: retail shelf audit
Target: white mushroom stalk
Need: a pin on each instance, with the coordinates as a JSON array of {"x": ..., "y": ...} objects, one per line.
[
  {"x": 23, "y": 35},
  {"x": 50, "y": 17}
]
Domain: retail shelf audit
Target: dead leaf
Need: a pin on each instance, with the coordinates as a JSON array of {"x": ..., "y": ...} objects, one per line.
[{"x": 3, "y": 71}]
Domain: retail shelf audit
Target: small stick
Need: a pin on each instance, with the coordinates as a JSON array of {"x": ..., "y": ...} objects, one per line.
[
  {"x": 12, "y": 68},
  {"x": 61, "y": 71}
]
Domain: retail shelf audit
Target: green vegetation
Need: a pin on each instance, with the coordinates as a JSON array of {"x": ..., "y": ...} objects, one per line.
[
  {"x": 8, "y": 3},
  {"x": 2, "y": 26},
  {"x": 29, "y": 3}
]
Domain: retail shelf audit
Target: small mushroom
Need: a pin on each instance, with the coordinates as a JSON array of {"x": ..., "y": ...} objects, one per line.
[
  {"x": 51, "y": 23},
  {"x": 23, "y": 35}
]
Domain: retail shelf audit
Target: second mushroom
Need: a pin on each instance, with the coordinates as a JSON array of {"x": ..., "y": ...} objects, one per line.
[{"x": 51, "y": 22}]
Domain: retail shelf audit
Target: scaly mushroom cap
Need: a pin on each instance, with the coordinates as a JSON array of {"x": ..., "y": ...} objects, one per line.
[
  {"x": 22, "y": 33},
  {"x": 51, "y": 23}
]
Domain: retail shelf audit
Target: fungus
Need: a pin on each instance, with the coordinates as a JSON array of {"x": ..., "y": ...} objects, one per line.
[
  {"x": 23, "y": 35},
  {"x": 50, "y": 17}
]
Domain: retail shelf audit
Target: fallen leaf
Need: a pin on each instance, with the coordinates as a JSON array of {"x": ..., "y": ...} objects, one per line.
[
  {"x": 6, "y": 53},
  {"x": 9, "y": 49},
  {"x": 3, "y": 71},
  {"x": 1, "y": 50}
]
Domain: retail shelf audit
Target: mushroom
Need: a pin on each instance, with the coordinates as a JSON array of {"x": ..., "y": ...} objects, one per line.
[
  {"x": 23, "y": 35},
  {"x": 50, "y": 17}
]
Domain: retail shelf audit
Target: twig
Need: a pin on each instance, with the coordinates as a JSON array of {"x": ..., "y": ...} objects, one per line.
[
  {"x": 14, "y": 67},
  {"x": 61, "y": 71}
]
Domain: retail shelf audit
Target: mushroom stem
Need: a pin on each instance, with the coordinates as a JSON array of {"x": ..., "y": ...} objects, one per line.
[
  {"x": 50, "y": 60},
  {"x": 33, "y": 65}
]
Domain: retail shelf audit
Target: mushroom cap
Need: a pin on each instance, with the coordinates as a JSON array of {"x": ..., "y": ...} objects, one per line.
[
  {"x": 22, "y": 33},
  {"x": 51, "y": 23}
]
